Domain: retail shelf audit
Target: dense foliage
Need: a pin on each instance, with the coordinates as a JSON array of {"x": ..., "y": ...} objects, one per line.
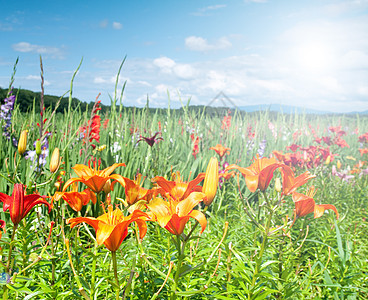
[{"x": 266, "y": 235}]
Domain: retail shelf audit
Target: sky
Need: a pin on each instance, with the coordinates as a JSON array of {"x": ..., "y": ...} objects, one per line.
[{"x": 306, "y": 53}]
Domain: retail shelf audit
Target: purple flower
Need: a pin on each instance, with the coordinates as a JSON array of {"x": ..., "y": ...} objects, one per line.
[
  {"x": 31, "y": 154},
  {"x": 262, "y": 147},
  {"x": 6, "y": 111}
]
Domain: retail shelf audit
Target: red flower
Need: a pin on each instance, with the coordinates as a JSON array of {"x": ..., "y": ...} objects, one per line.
[{"x": 20, "y": 204}]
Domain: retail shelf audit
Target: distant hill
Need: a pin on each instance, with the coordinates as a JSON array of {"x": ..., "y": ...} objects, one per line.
[{"x": 286, "y": 109}]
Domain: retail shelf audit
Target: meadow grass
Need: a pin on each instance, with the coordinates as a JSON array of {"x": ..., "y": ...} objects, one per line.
[{"x": 235, "y": 257}]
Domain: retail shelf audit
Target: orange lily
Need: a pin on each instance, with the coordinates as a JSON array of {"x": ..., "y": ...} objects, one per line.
[
  {"x": 19, "y": 204},
  {"x": 221, "y": 150},
  {"x": 290, "y": 183},
  {"x": 93, "y": 178},
  {"x": 134, "y": 192},
  {"x": 259, "y": 174},
  {"x": 179, "y": 189},
  {"x": 75, "y": 199},
  {"x": 305, "y": 204},
  {"x": 112, "y": 227},
  {"x": 173, "y": 215}
]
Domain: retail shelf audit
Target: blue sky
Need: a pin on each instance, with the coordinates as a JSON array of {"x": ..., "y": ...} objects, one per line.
[{"x": 309, "y": 53}]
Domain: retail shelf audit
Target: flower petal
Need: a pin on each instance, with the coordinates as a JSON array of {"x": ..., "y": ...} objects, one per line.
[
  {"x": 200, "y": 217},
  {"x": 320, "y": 209}
]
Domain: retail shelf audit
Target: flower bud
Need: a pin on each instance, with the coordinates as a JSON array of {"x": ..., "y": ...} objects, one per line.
[
  {"x": 211, "y": 181},
  {"x": 278, "y": 185},
  {"x": 338, "y": 164},
  {"x": 38, "y": 148},
  {"x": 22, "y": 145},
  {"x": 328, "y": 160},
  {"x": 107, "y": 187},
  {"x": 55, "y": 160}
]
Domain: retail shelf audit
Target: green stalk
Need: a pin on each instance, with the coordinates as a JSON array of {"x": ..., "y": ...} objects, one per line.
[
  {"x": 115, "y": 266},
  {"x": 260, "y": 255},
  {"x": 181, "y": 248},
  {"x": 93, "y": 279}
]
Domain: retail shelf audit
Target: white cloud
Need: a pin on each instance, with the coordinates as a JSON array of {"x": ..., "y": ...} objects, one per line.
[
  {"x": 117, "y": 25},
  {"x": 27, "y": 47},
  {"x": 164, "y": 63},
  {"x": 200, "y": 44},
  {"x": 169, "y": 66},
  {"x": 204, "y": 10}
]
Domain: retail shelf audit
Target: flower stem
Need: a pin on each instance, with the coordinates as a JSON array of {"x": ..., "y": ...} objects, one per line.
[
  {"x": 181, "y": 248},
  {"x": 115, "y": 266},
  {"x": 93, "y": 278}
]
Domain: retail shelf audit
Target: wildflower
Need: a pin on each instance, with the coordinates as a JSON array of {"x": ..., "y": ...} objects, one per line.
[
  {"x": 259, "y": 174},
  {"x": 150, "y": 140},
  {"x": 112, "y": 227},
  {"x": 6, "y": 111},
  {"x": 95, "y": 179},
  {"x": 363, "y": 151},
  {"x": 221, "y": 150},
  {"x": 55, "y": 160},
  {"x": 19, "y": 204},
  {"x": 262, "y": 147},
  {"x": 211, "y": 181},
  {"x": 290, "y": 183},
  {"x": 41, "y": 152},
  {"x": 173, "y": 215},
  {"x": 226, "y": 122},
  {"x": 195, "y": 150},
  {"x": 305, "y": 204},
  {"x": 75, "y": 199},
  {"x": 343, "y": 175},
  {"x": 179, "y": 189},
  {"x": 91, "y": 131},
  {"x": 134, "y": 192},
  {"x": 22, "y": 145}
]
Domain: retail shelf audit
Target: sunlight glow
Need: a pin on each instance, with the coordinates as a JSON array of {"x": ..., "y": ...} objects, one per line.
[{"x": 314, "y": 56}]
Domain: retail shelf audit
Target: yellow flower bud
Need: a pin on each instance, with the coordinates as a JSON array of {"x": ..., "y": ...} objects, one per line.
[
  {"x": 38, "y": 148},
  {"x": 328, "y": 160},
  {"x": 22, "y": 145},
  {"x": 338, "y": 164},
  {"x": 211, "y": 181},
  {"x": 55, "y": 160},
  {"x": 278, "y": 186},
  {"x": 107, "y": 187}
]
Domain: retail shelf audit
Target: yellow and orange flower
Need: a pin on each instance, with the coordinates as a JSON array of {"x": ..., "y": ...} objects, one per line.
[
  {"x": 20, "y": 204},
  {"x": 179, "y": 189},
  {"x": 134, "y": 192},
  {"x": 259, "y": 174},
  {"x": 112, "y": 227},
  {"x": 95, "y": 179},
  {"x": 211, "y": 181},
  {"x": 305, "y": 204},
  {"x": 173, "y": 215},
  {"x": 75, "y": 199},
  {"x": 221, "y": 150},
  {"x": 290, "y": 183}
]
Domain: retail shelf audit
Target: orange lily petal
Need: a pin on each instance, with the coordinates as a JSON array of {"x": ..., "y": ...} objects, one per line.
[
  {"x": 320, "y": 209},
  {"x": 200, "y": 217}
]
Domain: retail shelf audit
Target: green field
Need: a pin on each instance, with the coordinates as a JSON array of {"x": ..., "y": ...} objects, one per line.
[{"x": 260, "y": 240}]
